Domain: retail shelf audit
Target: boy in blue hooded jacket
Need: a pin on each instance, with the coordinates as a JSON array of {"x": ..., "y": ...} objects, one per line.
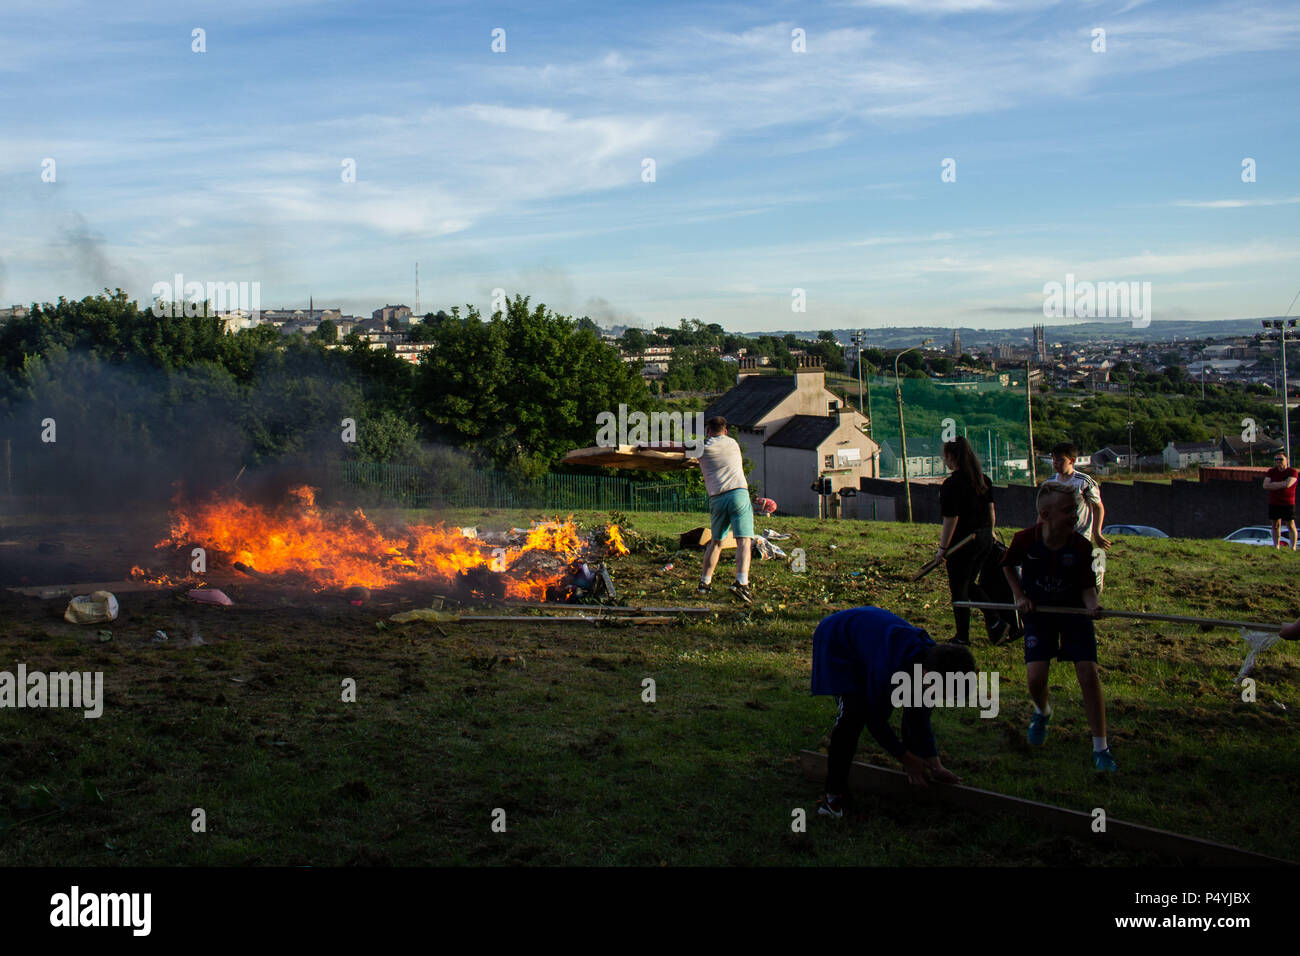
[{"x": 856, "y": 653}]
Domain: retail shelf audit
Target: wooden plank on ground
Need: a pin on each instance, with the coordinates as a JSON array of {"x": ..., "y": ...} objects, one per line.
[
  {"x": 48, "y": 591},
  {"x": 1074, "y": 823},
  {"x": 611, "y": 609},
  {"x": 562, "y": 619}
]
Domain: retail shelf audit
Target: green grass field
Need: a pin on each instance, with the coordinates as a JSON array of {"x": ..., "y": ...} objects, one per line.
[{"x": 547, "y": 723}]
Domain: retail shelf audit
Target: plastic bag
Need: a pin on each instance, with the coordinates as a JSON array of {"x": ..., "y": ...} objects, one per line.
[{"x": 91, "y": 608}]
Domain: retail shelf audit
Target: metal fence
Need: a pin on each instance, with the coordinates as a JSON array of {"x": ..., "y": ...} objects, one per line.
[{"x": 415, "y": 487}]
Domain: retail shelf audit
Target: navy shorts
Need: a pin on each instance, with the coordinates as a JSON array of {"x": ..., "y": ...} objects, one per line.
[{"x": 1068, "y": 637}]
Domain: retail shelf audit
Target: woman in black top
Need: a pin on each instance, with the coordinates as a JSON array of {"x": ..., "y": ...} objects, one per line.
[{"x": 966, "y": 503}]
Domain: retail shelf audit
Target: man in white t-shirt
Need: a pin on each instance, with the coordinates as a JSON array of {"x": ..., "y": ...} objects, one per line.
[{"x": 729, "y": 506}]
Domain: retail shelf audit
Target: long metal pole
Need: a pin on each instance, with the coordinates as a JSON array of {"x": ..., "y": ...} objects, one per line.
[
  {"x": 1130, "y": 427},
  {"x": 1029, "y": 414},
  {"x": 1140, "y": 615},
  {"x": 871, "y": 425},
  {"x": 902, "y": 435},
  {"x": 1286, "y": 408},
  {"x": 859, "y": 344}
]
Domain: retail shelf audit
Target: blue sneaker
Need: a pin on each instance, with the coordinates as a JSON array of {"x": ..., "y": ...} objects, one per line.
[
  {"x": 1037, "y": 735},
  {"x": 1102, "y": 760}
]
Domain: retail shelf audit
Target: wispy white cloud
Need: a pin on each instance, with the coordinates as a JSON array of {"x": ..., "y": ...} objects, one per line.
[{"x": 1235, "y": 203}]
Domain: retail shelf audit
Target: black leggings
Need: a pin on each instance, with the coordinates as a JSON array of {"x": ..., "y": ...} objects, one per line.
[
  {"x": 963, "y": 571},
  {"x": 849, "y": 722}
]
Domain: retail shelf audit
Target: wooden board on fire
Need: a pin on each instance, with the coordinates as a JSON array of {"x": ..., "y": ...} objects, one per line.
[{"x": 639, "y": 457}]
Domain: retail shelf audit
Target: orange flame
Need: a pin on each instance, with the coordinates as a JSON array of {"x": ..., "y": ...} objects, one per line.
[
  {"x": 338, "y": 550},
  {"x": 614, "y": 540}
]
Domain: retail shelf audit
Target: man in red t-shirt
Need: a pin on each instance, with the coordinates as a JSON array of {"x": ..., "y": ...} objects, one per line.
[{"x": 1280, "y": 484}]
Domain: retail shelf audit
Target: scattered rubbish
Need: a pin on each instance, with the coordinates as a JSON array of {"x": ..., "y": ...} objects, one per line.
[
  {"x": 91, "y": 608},
  {"x": 765, "y": 506},
  {"x": 357, "y": 596},
  {"x": 105, "y": 636},
  {"x": 254, "y": 573},
  {"x": 605, "y": 585},
  {"x": 583, "y": 575},
  {"x": 1257, "y": 641},
  {"x": 766, "y": 549},
  {"x": 210, "y": 596},
  {"x": 1281, "y": 706},
  {"x": 159, "y": 636},
  {"x": 668, "y": 566},
  {"x": 470, "y": 533},
  {"x": 835, "y": 547},
  {"x": 772, "y": 535}
]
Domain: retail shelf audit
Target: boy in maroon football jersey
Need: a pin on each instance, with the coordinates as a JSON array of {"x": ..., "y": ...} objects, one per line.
[
  {"x": 1280, "y": 483},
  {"x": 1056, "y": 569}
]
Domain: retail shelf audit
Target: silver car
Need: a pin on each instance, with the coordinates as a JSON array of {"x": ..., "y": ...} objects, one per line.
[
  {"x": 1258, "y": 534},
  {"x": 1142, "y": 530}
]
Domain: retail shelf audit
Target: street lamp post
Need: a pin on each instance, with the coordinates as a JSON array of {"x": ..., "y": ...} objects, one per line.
[
  {"x": 902, "y": 428},
  {"x": 1286, "y": 405},
  {"x": 859, "y": 338},
  {"x": 1130, "y": 428}
]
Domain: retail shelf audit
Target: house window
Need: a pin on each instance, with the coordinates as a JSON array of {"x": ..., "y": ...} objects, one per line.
[
  {"x": 832, "y": 406},
  {"x": 830, "y": 461}
]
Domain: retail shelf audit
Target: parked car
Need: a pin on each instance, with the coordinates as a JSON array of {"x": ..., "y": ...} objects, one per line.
[
  {"x": 1258, "y": 534},
  {"x": 1142, "y": 530}
]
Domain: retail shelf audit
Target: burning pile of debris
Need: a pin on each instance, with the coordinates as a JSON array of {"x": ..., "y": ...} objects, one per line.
[{"x": 300, "y": 543}]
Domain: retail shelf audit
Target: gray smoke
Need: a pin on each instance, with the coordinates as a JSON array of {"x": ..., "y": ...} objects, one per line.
[
  {"x": 603, "y": 313},
  {"x": 88, "y": 253}
]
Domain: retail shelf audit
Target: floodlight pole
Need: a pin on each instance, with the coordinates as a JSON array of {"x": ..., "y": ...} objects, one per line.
[
  {"x": 902, "y": 428},
  {"x": 1286, "y": 407},
  {"x": 1029, "y": 416}
]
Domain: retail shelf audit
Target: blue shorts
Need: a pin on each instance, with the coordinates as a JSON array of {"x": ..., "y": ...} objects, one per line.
[
  {"x": 1068, "y": 637},
  {"x": 731, "y": 509}
]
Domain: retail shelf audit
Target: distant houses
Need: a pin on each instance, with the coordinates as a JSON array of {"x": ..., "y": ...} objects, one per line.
[
  {"x": 1186, "y": 454},
  {"x": 924, "y": 457}
]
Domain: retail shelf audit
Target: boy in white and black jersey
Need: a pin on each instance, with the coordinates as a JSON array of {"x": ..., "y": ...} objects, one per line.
[{"x": 1092, "y": 513}]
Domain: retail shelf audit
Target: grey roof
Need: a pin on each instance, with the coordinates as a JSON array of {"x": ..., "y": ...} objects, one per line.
[
  {"x": 1192, "y": 446},
  {"x": 752, "y": 398},
  {"x": 1238, "y": 447},
  {"x": 804, "y": 431}
]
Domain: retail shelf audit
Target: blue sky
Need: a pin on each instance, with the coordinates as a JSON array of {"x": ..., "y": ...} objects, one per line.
[{"x": 775, "y": 170}]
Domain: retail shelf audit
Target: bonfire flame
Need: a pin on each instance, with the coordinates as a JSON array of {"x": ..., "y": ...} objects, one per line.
[
  {"x": 338, "y": 550},
  {"x": 614, "y": 541}
]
